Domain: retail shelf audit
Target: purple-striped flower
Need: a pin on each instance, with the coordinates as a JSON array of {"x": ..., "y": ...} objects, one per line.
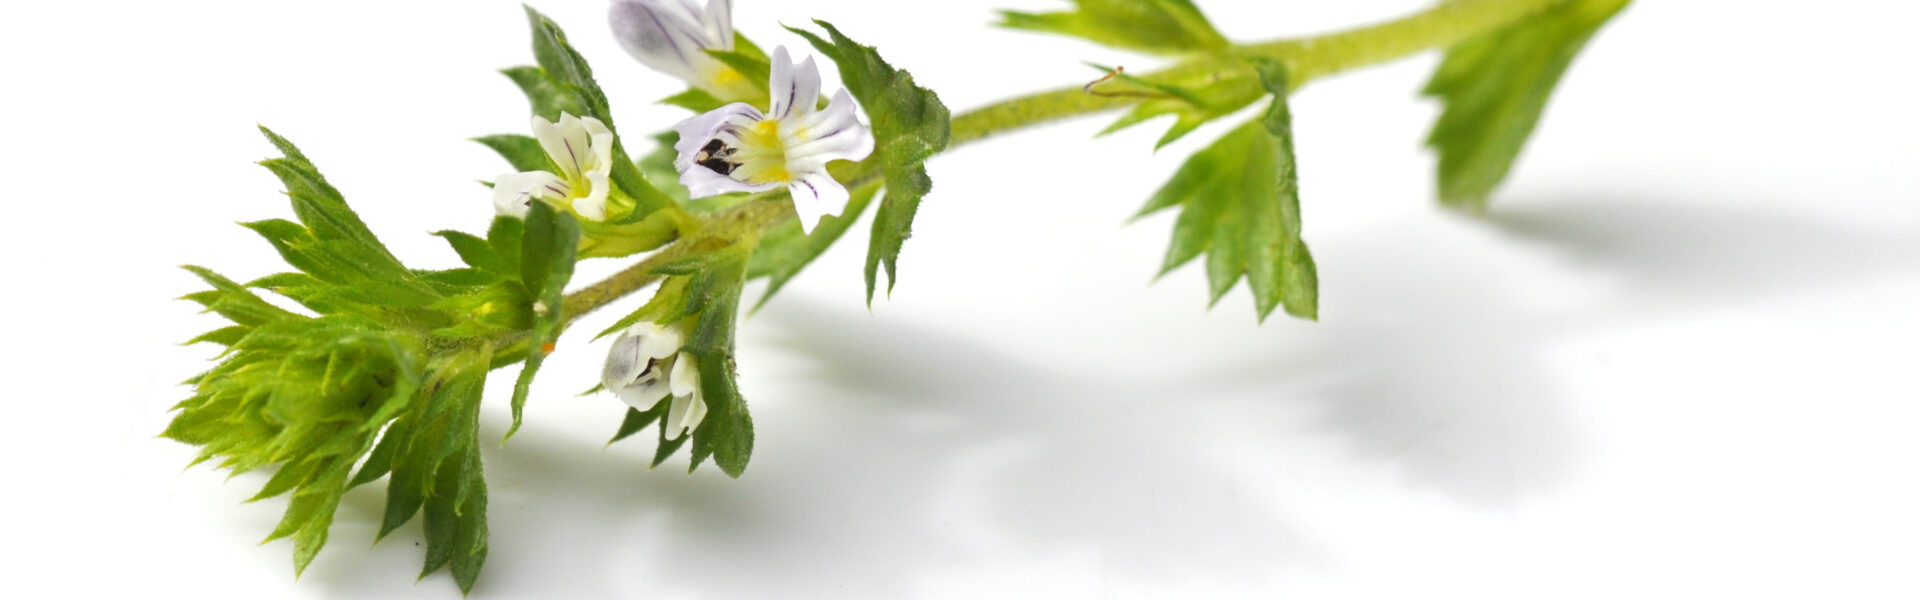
[
  {"x": 736, "y": 148},
  {"x": 672, "y": 37},
  {"x": 646, "y": 367},
  {"x": 581, "y": 150}
]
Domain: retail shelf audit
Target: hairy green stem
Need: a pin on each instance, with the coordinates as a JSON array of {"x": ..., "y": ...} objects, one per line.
[
  {"x": 1446, "y": 24},
  {"x": 1306, "y": 59}
]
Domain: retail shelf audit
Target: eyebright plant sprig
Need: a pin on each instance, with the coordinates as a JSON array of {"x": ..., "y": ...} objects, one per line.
[{"x": 381, "y": 371}]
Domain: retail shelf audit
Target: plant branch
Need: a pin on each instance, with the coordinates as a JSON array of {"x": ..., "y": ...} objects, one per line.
[
  {"x": 1306, "y": 59},
  {"x": 1310, "y": 58}
]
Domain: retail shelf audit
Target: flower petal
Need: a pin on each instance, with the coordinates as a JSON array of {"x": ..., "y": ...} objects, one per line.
[
  {"x": 720, "y": 21},
  {"x": 676, "y": 412},
  {"x": 794, "y": 88},
  {"x": 624, "y": 361},
  {"x": 664, "y": 36},
  {"x": 643, "y": 396},
  {"x": 815, "y": 195},
  {"x": 594, "y": 206},
  {"x": 696, "y": 132},
  {"x": 696, "y": 411},
  {"x": 829, "y": 135},
  {"x": 699, "y": 129},
  {"x": 661, "y": 342},
  {"x": 703, "y": 183},
  {"x": 599, "y": 143},
  {"x": 686, "y": 375},
  {"x": 513, "y": 192},
  {"x": 575, "y": 154}
]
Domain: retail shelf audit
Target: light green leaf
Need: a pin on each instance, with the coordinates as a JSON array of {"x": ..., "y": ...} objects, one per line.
[
  {"x": 548, "y": 251},
  {"x": 1239, "y": 202},
  {"x": 726, "y": 434},
  {"x": 548, "y": 96},
  {"x": 308, "y": 394},
  {"x": 523, "y": 152},
  {"x": 1495, "y": 88},
  {"x": 1154, "y": 26},
  {"x": 433, "y": 455},
  {"x": 318, "y": 205},
  {"x": 477, "y": 253},
  {"x": 566, "y": 67},
  {"x": 1193, "y": 101},
  {"x": 910, "y": 124},
  {"x": 235, "y": 302}
]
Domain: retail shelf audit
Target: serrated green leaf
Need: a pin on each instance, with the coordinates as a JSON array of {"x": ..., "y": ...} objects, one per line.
[
  {"x": 331, "y": 243},
  {"x": 504, "y": 235},
  {"x": 306, "y": 394},
  {"x": 1154, "y": 26},
  {"x": 910, "y": 124},
  {"x": 1495, "y": 88},
  {"x": 1239, "y": 202},
  {"x": 316, "y": 202},
  {"x": 235, "y": 302},
  {"x": 433, "y": 455},
  {"x": 637, "y": 420},
  {"x": 548, "y": 97},
  {"x": 1193, "y": 101},
  {"x": 477, "y": 253},
  {"x": 566, "y": 67},
  {"x": 726, "y": 434},
  {"x": 522, "y": 152},
  {"x": 548, "y": 250},
  {"x": 225, "y": 336}
]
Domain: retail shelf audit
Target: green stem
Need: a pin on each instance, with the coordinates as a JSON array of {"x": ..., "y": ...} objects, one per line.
[
  {"x": 1444, "y": 25},
  {"x": 1306, "y": 59}
]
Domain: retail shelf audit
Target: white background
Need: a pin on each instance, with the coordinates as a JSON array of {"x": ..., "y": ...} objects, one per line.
[{"x": 1676, "y": 360}]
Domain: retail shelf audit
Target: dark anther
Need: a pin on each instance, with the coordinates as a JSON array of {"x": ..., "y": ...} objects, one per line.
[{"x": 714, "y": 157}]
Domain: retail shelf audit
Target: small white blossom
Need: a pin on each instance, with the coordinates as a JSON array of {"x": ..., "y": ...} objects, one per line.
[
  {"x": 672, "y": 37},
  {"x": 646, "y": 366},
  {"x": 736, "y": 148},
  {"x": 582, "y": 149}
]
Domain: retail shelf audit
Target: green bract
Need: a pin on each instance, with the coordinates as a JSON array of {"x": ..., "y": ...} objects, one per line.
[
  {"x": 389, "y": 353},
  {"x": 1239, "y": 203},
  {"x": 1193, "y": 100},
  {"x": 703, "y": 289},
  {"x": 910, "y": 125},
  {"x": 1495, "y": 87}
]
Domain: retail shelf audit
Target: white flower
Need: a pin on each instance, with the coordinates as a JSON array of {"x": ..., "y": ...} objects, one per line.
[
  {"x": 582, "y": 148},
  {"x": 646, "y": 366},
  {"x": 737, "y": 149},
  {"x": 672, "y": 37}
]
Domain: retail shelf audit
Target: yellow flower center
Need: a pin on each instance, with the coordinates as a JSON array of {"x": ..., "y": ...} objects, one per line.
[{"x": 763, "y": 155}]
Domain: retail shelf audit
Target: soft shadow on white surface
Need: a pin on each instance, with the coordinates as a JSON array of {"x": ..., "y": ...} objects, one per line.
[
  {"x": 1437, "y": 367},
  {"x": 919, "y": 455},
  {"x": 1677, "y": 255},
  {"x": 893, "y": 456}
]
